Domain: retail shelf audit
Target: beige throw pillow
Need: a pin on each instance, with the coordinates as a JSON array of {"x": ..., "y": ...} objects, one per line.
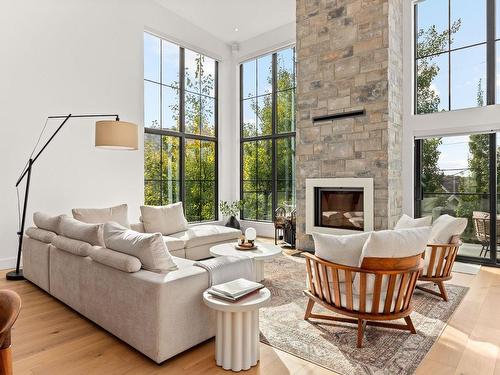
[
  {"x": 345, "y": 250},
  {"x": 118, "y": 214},
  {"x": 406, "y": 222},
  {"x": 77, "y": 230},
  {"x": 149, "y": 248},
  {"x": 164, "y": 219},
  {"x": 48, "y": 222}
]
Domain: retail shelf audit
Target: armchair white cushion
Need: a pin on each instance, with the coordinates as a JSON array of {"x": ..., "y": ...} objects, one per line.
[
  {"x": 345, "y": 250},
  {"x": 399, "y": 243},
  {"x": 149, "y": 248},
  {"x": 167, "y": 219},
  {"x": 445, "y": 227},
  {"x": 406, "y": 222}
]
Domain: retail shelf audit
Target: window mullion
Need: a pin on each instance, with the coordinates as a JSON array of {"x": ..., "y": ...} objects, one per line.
[
  {"x": 490, "y": 52},
  {"x": 274, "y": 105}
]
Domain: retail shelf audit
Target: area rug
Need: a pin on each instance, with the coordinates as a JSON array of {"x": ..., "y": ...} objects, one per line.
[{"x": 333, "y": 345}]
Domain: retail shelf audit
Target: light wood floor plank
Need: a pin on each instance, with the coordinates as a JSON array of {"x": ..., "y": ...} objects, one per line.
[{"x": 50, "y": 338}]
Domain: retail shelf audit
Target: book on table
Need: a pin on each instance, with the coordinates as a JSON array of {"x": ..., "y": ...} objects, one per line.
[{"x": 235, "y": 290}]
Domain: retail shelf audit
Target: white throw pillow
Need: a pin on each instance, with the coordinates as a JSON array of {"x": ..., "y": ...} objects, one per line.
[
  {"x": 445, "y": 227},
  {"x": 345, "y": 250},
  {"x": 118, "y": 214},
  {"x": 406, "y": 222},
  {"x": 167, "y": 219},
  {"x": 149, "y": 248}
]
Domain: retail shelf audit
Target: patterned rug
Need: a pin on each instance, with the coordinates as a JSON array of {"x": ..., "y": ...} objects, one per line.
[{"x": 333, "y": 345}]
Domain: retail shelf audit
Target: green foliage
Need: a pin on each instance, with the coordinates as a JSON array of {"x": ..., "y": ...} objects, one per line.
[
  {"x": 432, "y": 176},
  {"x": 230, "y": 208},
  {"x": 258, "y": 172},
  {"x": 430, "y": 42},
  {"x": 162, "y": 153}
]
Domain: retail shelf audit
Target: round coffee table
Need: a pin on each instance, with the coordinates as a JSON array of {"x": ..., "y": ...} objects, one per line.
[
  {"x": 237, "y": 338},
  {"x": 264, "y": 251}
]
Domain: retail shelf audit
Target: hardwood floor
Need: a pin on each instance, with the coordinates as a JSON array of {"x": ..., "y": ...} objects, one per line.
[{"x": 50, "y": 338}]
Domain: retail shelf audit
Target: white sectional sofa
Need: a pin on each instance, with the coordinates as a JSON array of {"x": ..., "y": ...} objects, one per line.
[{"x": 159, "y": 314}]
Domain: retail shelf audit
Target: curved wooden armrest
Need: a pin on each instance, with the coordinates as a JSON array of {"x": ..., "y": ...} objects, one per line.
[{"x": 372, "y": 270}]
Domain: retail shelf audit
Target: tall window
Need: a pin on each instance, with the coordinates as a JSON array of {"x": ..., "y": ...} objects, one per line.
[
  {"x": 455, "y": 43},
  {"x": 180, "y": 122},
  {"x": 267, "y": 120},
  {"x": 460, "y": 176}
]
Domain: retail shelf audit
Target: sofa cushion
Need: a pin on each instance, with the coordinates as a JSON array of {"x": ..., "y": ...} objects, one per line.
[
  {"x": 174, "y": 243},
  {"x": 445, "y": 227},
  {"x": 72, "y": 246},
  {"x": 150, "y": 248},
  {"x": 41, "y": 235},
  {"x": 406, "y": 222},
  {"x": 115, "y": 259},
  {"x": 345, "y": 250},
  {"x": 91, "y": 233},
  {"x": 48, "y": 222},
  {"x": 164, "y": 219},
  {"x": 118, "y": 214},
  {"x": 199, "y": 235}
]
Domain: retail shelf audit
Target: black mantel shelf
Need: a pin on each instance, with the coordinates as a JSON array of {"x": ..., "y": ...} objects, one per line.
[{"x": 337, "y": 116}]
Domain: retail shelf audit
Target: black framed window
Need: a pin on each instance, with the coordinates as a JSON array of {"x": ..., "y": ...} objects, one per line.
[
  {"x": 455, "y": 48},
  {"x": 459, "y": 176},
  {"x": 180, "y": 124},
  {"x": 267, "y": 133}
]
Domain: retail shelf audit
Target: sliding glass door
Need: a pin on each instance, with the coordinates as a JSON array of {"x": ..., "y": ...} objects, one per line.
[{"x": 457, "y": 175}]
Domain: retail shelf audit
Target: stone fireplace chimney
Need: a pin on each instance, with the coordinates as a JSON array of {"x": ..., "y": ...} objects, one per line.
[{"x": 349, "y": 57}]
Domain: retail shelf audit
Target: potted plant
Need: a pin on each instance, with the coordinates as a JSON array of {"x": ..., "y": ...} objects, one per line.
[{"x": 231, "y": 210}]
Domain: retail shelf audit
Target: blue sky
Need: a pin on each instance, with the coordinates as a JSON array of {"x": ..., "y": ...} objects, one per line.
[{"x": 468, "y": 66}]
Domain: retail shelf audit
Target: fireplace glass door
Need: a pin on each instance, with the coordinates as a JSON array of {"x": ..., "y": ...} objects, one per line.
[{"x": 340, "y": 208}]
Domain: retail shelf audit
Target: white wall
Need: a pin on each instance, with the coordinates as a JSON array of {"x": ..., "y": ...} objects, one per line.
[
  {"x": 74, "y": 56},
  {"x": 443, "y": 123}
]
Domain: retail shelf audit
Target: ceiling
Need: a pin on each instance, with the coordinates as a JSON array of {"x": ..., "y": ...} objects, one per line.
[{"x": 221, "y": 17}]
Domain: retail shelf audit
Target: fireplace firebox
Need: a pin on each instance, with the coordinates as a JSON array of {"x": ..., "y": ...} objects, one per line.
[
  {"x": 340, "y": 208},
  {"x": 339, "y": 205}
]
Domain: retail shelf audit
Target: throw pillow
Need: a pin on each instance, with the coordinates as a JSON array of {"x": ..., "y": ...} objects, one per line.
[
  {"x": 118, "y": 214},
  {"x": 445, "y": 227},
  {"x": 149, "y": 248},
  {"x": 408, "y": 222},
  {"x": 48, "y": 222},
  {"x": 77, "y": 230},
  {"x": 345, "y": 250},
  {"x": 164, "y": 219}
]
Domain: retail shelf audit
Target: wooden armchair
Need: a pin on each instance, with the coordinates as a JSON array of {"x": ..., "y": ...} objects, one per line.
[
  {"x": 393, "y": 281},
  {"x": 441, "y": 258},
  {"x": 10, "y": 305}
]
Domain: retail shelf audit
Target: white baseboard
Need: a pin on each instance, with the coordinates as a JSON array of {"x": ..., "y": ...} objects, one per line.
[{"x": 7, "y": 263}]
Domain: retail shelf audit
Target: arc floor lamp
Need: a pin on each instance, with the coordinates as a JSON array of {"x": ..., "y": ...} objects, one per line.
[{"x": 111, "y": 134}]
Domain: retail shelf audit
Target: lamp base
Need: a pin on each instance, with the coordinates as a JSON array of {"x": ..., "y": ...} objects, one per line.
[{"x": 13, "y": 275}]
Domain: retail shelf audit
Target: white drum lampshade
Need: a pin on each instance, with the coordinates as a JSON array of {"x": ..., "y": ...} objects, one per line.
[
  {"x": 119, "y": 135},
  {"x": 250, "y": 234}
]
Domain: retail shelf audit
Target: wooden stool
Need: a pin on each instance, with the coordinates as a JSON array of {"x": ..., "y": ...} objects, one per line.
[{"x": 10, "y": 305}]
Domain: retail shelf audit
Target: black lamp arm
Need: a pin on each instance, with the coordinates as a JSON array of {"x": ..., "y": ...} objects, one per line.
[
  {"x": 17, "y": 274},
  {"x": 66, "y": 118}
]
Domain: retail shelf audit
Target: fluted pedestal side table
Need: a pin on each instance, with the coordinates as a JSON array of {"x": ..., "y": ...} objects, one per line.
[{"x": 237, "y": 338}]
